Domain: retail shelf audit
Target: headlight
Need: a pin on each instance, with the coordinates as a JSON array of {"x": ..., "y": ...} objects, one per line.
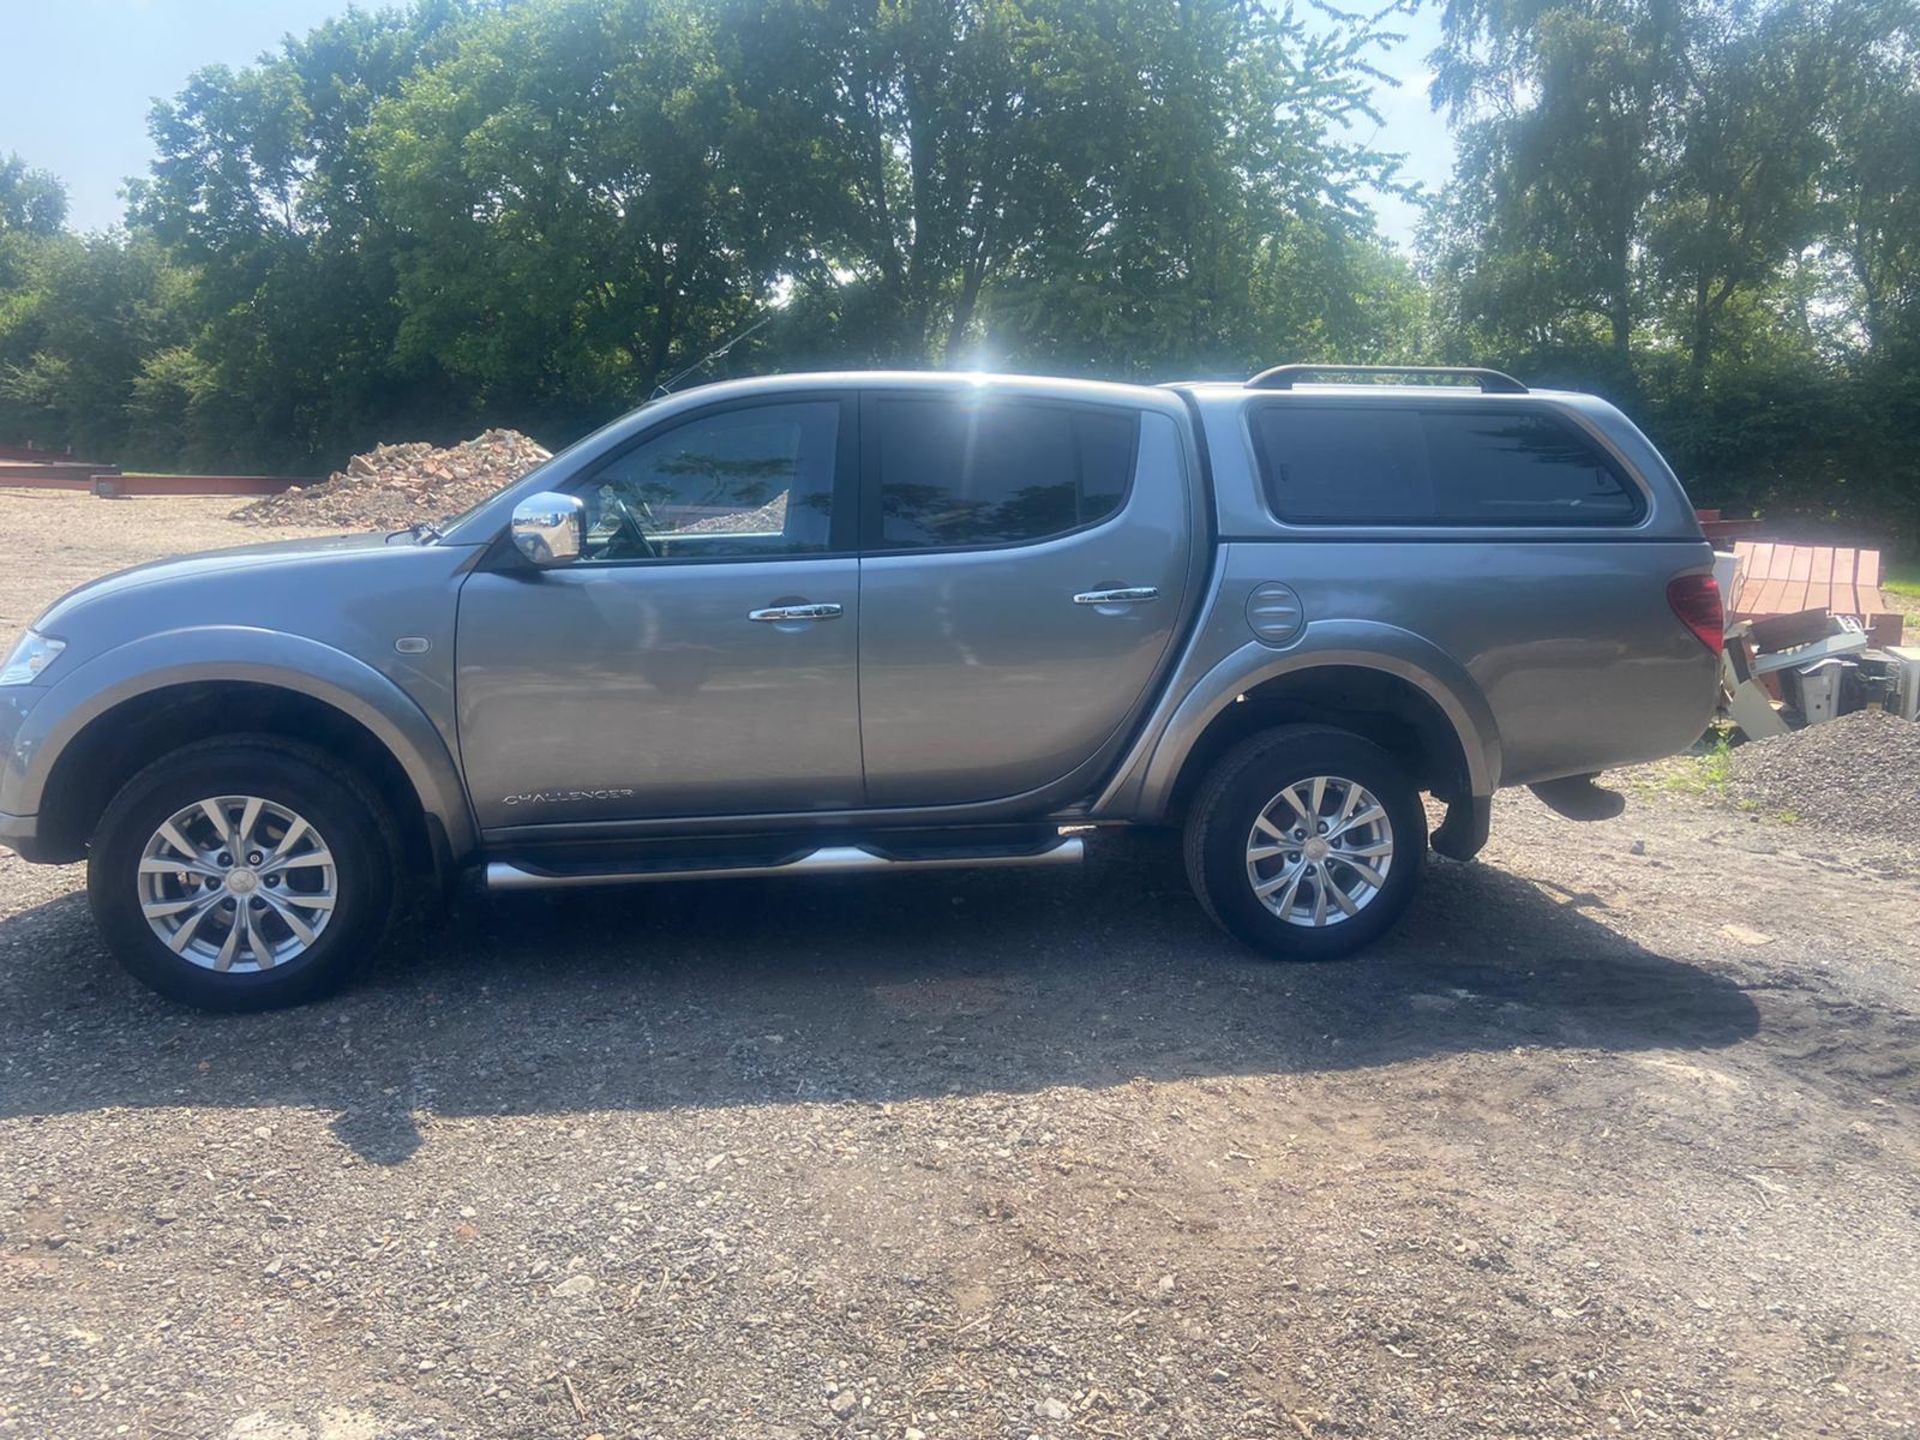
[{"x": 32, "y": 655}]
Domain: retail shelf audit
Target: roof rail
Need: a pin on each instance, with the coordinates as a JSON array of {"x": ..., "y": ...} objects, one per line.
[{"x": 1285, "y": 377}]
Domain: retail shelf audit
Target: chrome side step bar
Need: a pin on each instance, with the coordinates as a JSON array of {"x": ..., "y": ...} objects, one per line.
[{"x": 828, "y": 860}]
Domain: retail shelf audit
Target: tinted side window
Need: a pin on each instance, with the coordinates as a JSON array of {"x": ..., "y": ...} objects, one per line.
[
  {"x": 954, "y": 472},
  {"x": 1379, "y": 465},
  {"x": 1338, "y": 463},
  {"x": 1513, "y": 469},
  {"x": 745, "y": 482}
]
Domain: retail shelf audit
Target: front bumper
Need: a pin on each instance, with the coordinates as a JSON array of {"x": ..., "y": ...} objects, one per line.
[{"x": 16, "y": 831}]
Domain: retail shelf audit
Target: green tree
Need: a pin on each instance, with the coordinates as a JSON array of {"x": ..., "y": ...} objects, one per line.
[
  {"x": 1706, "y": 211},
  {"x": 1870, "y": 182},
  {"x": 33, "y": 209},
  {"x": 32, "y": 202},
  {"x": 1738, "y": 203},
  {"x": 76, "y": 334},
  {"x": 1141, "y": 188},
  {"x": 262, "y": 183},
  {"x": 1565, "y": 113},
  {"x": 533, "y": 212},
  {"x": 574, "y": 204}
]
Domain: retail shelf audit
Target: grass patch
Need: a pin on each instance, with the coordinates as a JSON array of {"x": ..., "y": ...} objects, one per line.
[
  {"x": 1903, "y": 579},
  {"x": 1707, "y": 770}
]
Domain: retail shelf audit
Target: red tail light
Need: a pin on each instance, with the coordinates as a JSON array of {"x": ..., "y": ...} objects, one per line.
[{"x": 1696, "y": 600}]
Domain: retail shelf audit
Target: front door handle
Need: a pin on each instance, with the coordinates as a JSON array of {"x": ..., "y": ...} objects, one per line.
[
  {"x": 1125, "y": 595},
  {"x": 777, "y": 613}
]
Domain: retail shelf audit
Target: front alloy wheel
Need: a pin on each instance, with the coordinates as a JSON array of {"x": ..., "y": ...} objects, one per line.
[
  {"x": 235, "y": 882},
  {"x": 244, "y": 873}
]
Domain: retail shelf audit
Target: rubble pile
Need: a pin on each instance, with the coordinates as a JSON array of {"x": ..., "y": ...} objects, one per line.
[{"x": 392, "y": 486}]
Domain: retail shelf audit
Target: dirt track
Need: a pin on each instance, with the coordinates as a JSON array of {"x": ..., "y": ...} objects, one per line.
[{"x": 1617, "y": 1135}]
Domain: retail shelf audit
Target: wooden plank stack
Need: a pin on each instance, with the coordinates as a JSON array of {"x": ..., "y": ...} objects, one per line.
[{"x": 1780, "y": 579}]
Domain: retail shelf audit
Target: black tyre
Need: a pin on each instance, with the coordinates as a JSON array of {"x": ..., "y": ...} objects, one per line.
[
  {"x": 1306, "y": 842},
  {"x": 243, "y": 874}
]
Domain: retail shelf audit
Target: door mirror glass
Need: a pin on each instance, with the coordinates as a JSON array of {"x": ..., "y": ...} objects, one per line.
[{"x": 547, "y": 528}]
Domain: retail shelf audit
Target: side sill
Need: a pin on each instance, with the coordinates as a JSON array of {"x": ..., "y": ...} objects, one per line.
[{"x": 505, "y": 875}]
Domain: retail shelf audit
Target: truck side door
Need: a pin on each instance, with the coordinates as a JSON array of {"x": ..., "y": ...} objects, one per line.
[
  {"x": 699, "y": 658},
  {"x": 1024, "y": 568}
]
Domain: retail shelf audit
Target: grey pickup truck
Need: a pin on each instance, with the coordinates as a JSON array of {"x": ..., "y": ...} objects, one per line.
[{"x": 818, "y": 624}]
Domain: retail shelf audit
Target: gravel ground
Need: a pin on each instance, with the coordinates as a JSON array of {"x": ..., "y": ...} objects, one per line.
[
  {"x": 1859, "y": 773},
  {"x": 61, "y": 539},
  {"x": 1615, "y": 1136}
]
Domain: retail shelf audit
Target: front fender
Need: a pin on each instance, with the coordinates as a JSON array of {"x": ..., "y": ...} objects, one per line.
[
  {"x": 1143, "y": 787},
  {"x": 245, "y": 654}
]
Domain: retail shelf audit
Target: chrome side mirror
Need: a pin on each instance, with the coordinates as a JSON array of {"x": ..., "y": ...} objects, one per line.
[{"x": 548, "y": 528}]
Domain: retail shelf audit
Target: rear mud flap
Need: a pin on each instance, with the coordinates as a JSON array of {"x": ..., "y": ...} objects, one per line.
[{"x": 1464, "y": 831}]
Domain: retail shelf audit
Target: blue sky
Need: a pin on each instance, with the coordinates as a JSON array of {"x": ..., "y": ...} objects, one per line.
[
  {"x": 81, "y": 74},
  {"x": 1411, "y": 127}
]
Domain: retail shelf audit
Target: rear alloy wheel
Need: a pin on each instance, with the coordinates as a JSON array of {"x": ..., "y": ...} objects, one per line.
[
  {"x": 243, "y": 874},
  {"x": 1320, "y": 851},
  {"x": 1306, "y": 842}
]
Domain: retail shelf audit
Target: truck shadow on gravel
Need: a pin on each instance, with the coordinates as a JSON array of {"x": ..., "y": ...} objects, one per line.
[{"x": 860, "y": 989}]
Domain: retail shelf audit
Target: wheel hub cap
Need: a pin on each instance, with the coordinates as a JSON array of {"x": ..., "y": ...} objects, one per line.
[
  {"x": 1320, "y": 851},
  {"x": 237, "y": 883}
]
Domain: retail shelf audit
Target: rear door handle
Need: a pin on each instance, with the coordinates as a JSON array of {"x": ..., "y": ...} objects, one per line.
[
  {"x": 1125, "y": 595},
  {"x": 777, "y": 613}
]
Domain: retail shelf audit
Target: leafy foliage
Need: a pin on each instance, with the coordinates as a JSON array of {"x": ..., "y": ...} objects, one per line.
[
  {"x": 1708, "y": 212},
  {"x": 416, "y": 222},
  {"x": 536, "y": 211}
]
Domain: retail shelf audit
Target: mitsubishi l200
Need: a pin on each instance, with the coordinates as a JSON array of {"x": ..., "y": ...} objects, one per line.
[{"x": 875, "y": 621}]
